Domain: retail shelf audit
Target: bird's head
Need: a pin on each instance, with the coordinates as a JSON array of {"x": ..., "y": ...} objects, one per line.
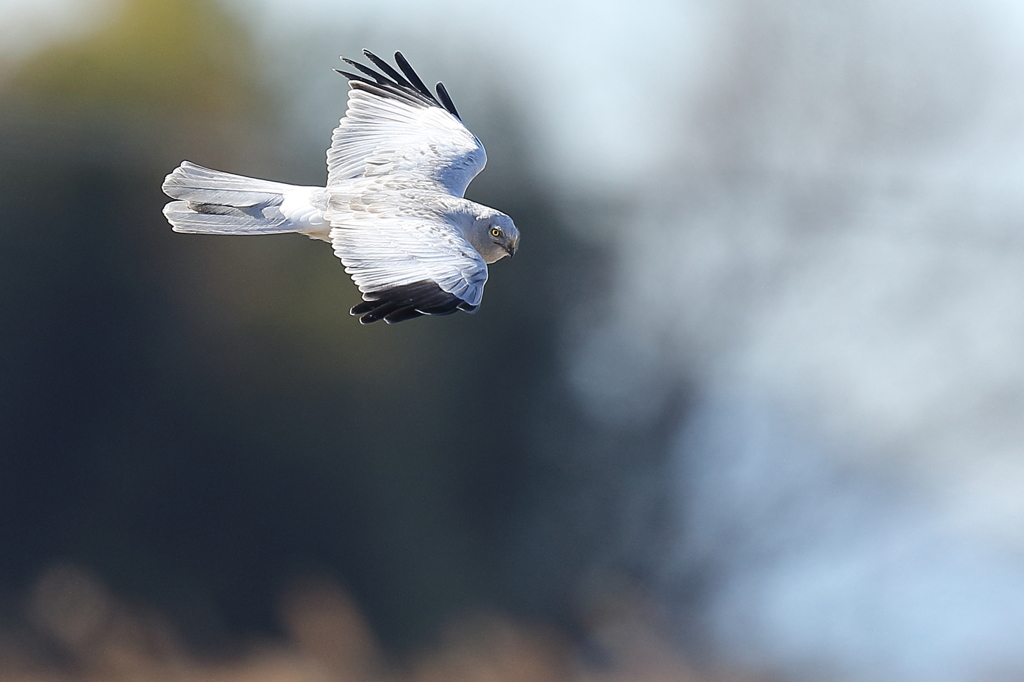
[{"x": 494, "y": 236}]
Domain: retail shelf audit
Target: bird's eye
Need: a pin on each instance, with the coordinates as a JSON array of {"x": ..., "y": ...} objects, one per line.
[{"x": 495, "y": 232}]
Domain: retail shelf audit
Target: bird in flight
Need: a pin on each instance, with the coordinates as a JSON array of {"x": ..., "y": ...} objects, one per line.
[{"x": 393, "y": 208}]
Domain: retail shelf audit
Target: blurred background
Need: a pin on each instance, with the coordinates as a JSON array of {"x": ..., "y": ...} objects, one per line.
[{"x": 748, "y": 405}]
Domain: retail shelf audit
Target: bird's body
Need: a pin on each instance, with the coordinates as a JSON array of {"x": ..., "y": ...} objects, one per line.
[{"x": 393, "y": 209}]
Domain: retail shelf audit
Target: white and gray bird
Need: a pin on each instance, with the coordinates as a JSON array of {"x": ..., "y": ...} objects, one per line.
[{"x": 393, "y": 208}]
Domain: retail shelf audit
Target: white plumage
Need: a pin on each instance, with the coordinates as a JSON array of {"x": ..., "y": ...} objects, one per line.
[{"x": 393, "y": 208}]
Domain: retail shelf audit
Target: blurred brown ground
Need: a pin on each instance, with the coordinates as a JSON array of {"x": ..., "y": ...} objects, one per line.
[{"x": 75, "y": 629}]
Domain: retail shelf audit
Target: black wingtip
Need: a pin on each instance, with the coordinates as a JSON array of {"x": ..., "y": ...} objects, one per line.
[
  {"x": 406, "y": 302},
  {"x": 378, "y": 78},
  {"x": 413, "y": 77},
  {"x": 350, "y": 76},
  {"x": 446, "y": 100},
  {"x": 390, "y": 83},
  {"x": 386, "y": 68}
]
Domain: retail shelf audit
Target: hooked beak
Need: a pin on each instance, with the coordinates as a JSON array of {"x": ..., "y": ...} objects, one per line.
[{"x": 511, "y": 250}]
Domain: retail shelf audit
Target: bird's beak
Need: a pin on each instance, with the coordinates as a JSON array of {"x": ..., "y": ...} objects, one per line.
[{"x": 511, "y": 250}]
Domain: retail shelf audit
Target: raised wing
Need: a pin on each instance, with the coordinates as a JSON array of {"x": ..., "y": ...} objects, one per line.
[
  {"x": 394, "y": 124},
  {"x": 407, "y": 266}
]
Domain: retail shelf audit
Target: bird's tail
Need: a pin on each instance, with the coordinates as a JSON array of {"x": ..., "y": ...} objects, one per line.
[{"x": 213, "y": 202}]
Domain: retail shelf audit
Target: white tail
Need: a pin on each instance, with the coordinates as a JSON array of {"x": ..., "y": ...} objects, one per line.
[{"x": 214, "y": 202}]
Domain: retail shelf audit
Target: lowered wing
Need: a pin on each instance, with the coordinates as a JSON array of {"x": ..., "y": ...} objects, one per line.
[
  {"x": 394, "y": 124},
  {"x": 407, "y": 266}
]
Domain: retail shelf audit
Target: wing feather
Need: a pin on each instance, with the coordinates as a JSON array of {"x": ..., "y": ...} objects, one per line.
[
  {"x": 386, "y": 68},
  {"x": 395, "y": 124},
  {"x": 413, "y": 77},
  {"x": 407, "y": 266},
  {"x": 364, "y": 69},
  {"x": 446, "y": 100}
]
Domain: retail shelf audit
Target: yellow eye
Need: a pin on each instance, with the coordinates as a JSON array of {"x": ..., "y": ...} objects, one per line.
[{"x": 495, "y": 232}]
